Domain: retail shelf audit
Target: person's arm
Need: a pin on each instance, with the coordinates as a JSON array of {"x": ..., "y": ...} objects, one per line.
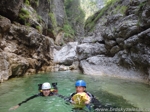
[
  {"x": 15, "y": 107},
  {"x": 34, "y": 96},
  {"x": 71, "y": 98}
]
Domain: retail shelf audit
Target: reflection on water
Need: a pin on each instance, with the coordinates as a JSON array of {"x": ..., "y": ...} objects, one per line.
[{"x": 110, "y": 91}]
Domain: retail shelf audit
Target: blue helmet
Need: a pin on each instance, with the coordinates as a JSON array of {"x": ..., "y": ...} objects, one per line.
[{"x": 80, "y": 83}]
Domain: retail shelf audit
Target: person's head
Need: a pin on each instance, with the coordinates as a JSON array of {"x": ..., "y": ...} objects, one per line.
[
  {"x": 80, "y": 86},
  {"x": 46, "y": 88}
]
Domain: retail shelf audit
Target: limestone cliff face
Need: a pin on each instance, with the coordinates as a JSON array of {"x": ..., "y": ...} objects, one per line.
[
  {"x": 47, "y": 16},
  {"x": 23, "y": 50},
  {"x": 52, "y": 13},
  {"x": 124, "y": 29},
  {"x": 27, "y": 32}
]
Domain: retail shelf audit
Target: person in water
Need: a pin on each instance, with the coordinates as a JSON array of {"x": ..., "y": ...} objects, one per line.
[
  {"x": 45, "y": 91},
  {"x": 81, "y": 98}
]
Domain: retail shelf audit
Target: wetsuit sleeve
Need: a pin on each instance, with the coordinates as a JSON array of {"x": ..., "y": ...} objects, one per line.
[{"x": 34, "y": 96}]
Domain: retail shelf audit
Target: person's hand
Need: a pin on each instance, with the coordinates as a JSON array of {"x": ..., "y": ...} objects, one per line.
[
  {"x": 14, "y": 108},
  {"x": 87, "y": 102},
  {"x": 73, "y": 102}
]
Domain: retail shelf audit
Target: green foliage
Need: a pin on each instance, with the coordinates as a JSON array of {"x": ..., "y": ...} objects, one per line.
[
  {"x": 142, "y": 4},
  {"x": 54, "y": 23},
  {"x": 69, "y": 32},
  {"x": 39, "y": 18},
  {"x": 91, "y": 21},
  {"x": 27, "y": 2},
  {"x": 120, "y": 9},
  {"x": 24, "y": 15},
  {"x": 37, "y": 2},
  {"x": 39, "y": 28},
  {"x": 74, "y": 11},
  {"x": 53, "y": 19},
  {"x": 68, "y": 3},
  {"x": 49, "y": 1},
  {"x": 116, "y": 9},
  {"x": 27, "y": 24},
  {"x": 75, "y": 14},
  {"x": 123, "y": 9}
]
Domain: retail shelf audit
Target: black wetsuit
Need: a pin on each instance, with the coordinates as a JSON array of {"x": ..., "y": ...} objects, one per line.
[{"x": 34, "y": 96}]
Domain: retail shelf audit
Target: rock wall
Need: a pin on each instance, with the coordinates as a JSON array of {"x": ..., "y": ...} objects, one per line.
[
  {"x": 26, "y": 31},
  {"x": 23, "y": 50},
  {"x": 47, "y": 16},
  {"x": 124, "y": 27}
]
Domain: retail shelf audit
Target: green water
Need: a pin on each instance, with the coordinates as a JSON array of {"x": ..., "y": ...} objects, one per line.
[{"x": 116, "y": 92}]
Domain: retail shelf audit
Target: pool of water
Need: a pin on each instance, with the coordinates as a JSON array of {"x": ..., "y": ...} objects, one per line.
[{"x": 116, "y": 92}]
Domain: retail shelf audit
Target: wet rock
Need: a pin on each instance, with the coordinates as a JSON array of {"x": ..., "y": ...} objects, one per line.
[
  {"x": 74, "y": 66},
  {"x": 4, "y": 67},
  {"x": 67, "y": 55},
  {"x": 49, "y": 69},
  {"x": 63, "y": 68},
  {"x": 19, "y": 65},
  {"x": 4, "y": 24},
  {"x": 87, "y": 50},
  {"x": 114, "y": 50},
  {"x": 110, "y": 43},
  {"x": 101, "y": 65},
  {"x": 30, "y": 72},
  {"x": 10, "y": 8}
]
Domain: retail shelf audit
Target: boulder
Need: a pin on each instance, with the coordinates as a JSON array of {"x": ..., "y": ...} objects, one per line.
[
  {"x": 74, "y": 66},
  {"x": 4, "y": 67},
  {"x": 63, "y": 68},
  {"x": 5, "y": 25},
  {"x": 106, "y": 66},
  {"x": 90, "y": 49},
  {"x": 19, "y": 65},
  {"x": 67, "y": 55}
]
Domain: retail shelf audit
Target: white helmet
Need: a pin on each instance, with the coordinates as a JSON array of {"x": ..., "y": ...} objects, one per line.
[{"x": 46, "y": 85}]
